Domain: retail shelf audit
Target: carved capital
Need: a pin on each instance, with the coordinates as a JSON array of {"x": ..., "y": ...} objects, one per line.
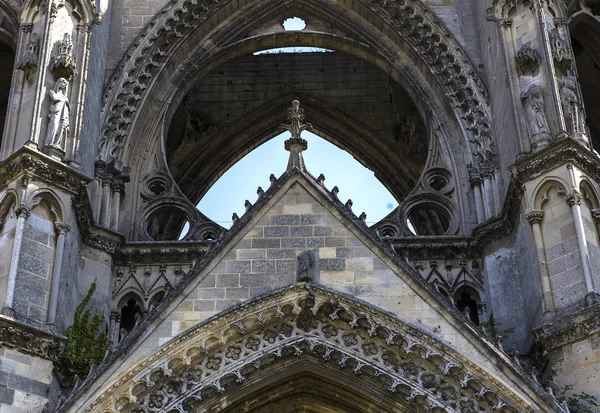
[
  {"x": 61, "y": 228},
  {"x": 107, "y": 180},
  {"x": 574, "y": 198},
  {"x": 22, "y": 210},
  {"x": 535, "y": 217},
  {"x": 118, "y": 186}
]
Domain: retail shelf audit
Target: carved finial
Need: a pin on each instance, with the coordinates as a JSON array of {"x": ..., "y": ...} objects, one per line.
[
  {"x": 321, "y": 179},
  {"x": 296, "y": 145},
  {"x": 260, "y": 192},
  {"x": 349, "y": 204},
  {"x": 235, "y": 218},
  {"x": 248, "y": 205},
  {"x": 272, "y": 179},
  {"x": 335, "y": 191}
]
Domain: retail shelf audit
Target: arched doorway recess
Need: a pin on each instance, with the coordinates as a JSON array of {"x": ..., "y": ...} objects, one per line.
[{"x": 282, "y": 345}]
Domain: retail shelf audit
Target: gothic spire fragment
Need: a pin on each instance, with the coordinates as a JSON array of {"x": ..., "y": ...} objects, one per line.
[{"x": 296, "y": 145}]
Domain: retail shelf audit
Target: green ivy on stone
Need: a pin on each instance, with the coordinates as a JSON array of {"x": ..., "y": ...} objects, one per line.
[{"x": 86, "y": 344}]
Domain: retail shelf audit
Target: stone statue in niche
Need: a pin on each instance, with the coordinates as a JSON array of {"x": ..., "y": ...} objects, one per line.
[
  {"x": 572, "y": 108},
  {"x": 305, "y": 271},
  {"x": 29, "y": 62},
  {"x": 533, "y": 103},
  {"x": 63, "y": 65},
  {"x": 58, "y": 116}
]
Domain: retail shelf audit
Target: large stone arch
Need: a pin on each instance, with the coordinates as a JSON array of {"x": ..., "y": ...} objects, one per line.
[
  {"x": 304, "y": 332},
  {"x": 403, "y": 37}
]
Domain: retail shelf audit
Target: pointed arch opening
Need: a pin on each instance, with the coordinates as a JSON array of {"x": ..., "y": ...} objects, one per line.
[
  {"x": 338, "y": 167},
  {"x": 349, "y": 101}
]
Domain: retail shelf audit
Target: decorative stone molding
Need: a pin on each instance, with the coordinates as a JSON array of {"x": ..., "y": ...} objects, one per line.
[
  {"x": 30, "y": 340},
  {"x": 22, "y": 210},
  {"x": 569, "y": 328},
  {"x": 312, "y": 322},
  {"x": 535, "y": 217},
  {"x": 560, "y": 153},
  {"x": 46, "y": 169},
  {"x": 411, "y": 20},
  {"x": 149, "y": 253},
  {"x": 63, "y": 64},
  {"x": 29, "y": 61},
  {"x": 528, "y": 59},
  {"x": 573, "y": 198}
]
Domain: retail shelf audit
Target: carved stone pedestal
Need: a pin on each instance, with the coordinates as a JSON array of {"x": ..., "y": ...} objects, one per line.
[{"x": 54, "y": 151}]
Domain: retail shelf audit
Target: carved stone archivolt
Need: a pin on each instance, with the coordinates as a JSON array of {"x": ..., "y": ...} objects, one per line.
[
  {"x": 307, "y": 322},
  {"x": 411, "y": 20}
]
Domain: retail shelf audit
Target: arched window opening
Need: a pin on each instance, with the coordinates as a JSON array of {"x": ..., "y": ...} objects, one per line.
[
  {"x": 131, "y": 314},
  {"x": 156, "y": 299},
  {"x": 167, "y": 224},
  {"x": 339, "y": 167},
  {"x": 429, "y": 219},
  {"x": 228, "y": 113},
  {"x": 467, "y": 301},
  {"x": 7, "y": 62}
]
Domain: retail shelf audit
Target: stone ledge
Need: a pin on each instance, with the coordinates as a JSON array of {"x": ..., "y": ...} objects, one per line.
[
  {"x": 577, "y": 325},
  {"x": 30, "y": 340}
]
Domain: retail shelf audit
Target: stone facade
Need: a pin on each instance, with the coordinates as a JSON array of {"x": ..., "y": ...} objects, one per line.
[{"x": 478, "y": 293}]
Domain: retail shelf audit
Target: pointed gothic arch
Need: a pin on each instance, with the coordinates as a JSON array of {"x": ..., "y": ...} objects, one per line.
[
  {"x": 304, "y": 331},
  {"x": 411, "y": 44}
]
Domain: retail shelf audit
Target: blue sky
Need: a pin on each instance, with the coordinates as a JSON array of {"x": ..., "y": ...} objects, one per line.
[{"x": 240, "y": 182}]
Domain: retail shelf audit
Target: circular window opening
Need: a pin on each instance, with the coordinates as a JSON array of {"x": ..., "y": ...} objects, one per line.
[
  {"x": 166, "y": 224},
  {"x": 294, "y": 24},
  {"x": 438, "y": 182},
  {"x": 157, "y": 187},
  {"x": 429, "y": 219}
]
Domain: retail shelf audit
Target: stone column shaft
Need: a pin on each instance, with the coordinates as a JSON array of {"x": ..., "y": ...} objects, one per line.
[
  {"x": 116, "y": 205},
  {"x": 479, "y": 203},
  {"x": 574, "y": 201},
  {"x": 22, "y": 212},
  {"x": 488, "y": 198},
  {"x": 62, "y": 230},
  {"x": 535, "y": 218},
  {"x": 106, "y": 201}
]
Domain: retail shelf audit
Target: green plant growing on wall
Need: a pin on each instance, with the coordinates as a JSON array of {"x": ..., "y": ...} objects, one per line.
[
  {"x": 493, "y": 329},
  {"x": 578, "y": 402},
  {"x": 86, "y": 344}
]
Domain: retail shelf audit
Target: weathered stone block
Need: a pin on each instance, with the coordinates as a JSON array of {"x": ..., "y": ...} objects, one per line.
[
  {"x": 281, "y": 254},
  {"x": 263, "y": 266},
  {"x": 285, "y": 220},
  {"x": 277, "y": 231},
  {"x": 301, "y": 231},
  {"x": 228, "y": 280},
  {"x": 332, "y": 264}
]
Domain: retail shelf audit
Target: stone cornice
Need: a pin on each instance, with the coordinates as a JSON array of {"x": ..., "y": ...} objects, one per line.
[
  {"x": 179, "y": 252},
  {"x": 563, "y": 152},
  {"x": 36, "y": 164},
  {"x": 30, "y": 340},
  {"x": 575, "y": 326}
]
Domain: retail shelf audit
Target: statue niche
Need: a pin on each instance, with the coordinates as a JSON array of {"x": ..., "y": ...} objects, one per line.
[
  {"x": 573, "y": 109},
  {"x": 533, "y": 104},
  {"x": 58, "y": 119}
]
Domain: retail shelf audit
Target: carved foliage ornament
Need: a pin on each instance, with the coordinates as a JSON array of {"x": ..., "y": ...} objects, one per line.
[
  {"x": 422, "y": 31},
  {"x": 306, "y": 322},
  {"x": 29, "y": 61},
  {"x": 30, "y": 341}
]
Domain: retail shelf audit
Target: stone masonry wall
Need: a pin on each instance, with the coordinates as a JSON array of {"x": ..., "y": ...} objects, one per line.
[
  {"x": 34, "y": 275},
  {"x": 25, "y": 382}
]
